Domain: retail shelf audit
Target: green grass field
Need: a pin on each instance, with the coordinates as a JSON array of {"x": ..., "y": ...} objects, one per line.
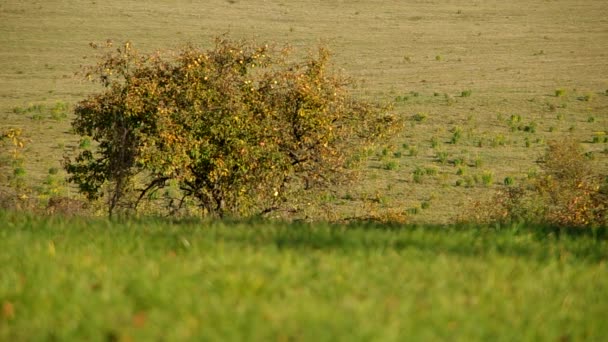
[{"x": 157, "y": 280}]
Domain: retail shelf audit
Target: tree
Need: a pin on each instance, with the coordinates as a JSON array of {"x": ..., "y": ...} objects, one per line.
[{"x": 239, "y": 128}]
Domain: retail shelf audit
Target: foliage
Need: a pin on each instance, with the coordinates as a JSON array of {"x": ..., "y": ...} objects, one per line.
[
  {"x": 567, "y": 192},
  {"x": 575, "y": 193},
  {"x": 240, "y": 128},
  {"x": 13, "y": 193}
]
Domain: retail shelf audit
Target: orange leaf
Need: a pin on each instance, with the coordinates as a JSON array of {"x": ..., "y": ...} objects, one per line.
[
  {"x": 139, "y": 319},
  {"x": 8, "y": 310}
]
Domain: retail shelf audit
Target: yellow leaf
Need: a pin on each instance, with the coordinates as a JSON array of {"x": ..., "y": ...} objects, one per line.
[{"x": 51, "y": 248}]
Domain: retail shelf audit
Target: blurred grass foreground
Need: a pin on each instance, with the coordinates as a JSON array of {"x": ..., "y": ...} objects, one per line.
[{"x": 96, "y": 279}]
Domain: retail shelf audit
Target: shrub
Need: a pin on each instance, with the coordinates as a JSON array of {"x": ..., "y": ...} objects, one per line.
[
  {"x": 567, "y": 192},
  {"x": 13, "y": 192},
  {"x": 240, "y": 127}
]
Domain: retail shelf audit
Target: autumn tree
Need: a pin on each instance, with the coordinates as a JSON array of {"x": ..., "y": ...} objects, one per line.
[{"x": 239, "y": 128}]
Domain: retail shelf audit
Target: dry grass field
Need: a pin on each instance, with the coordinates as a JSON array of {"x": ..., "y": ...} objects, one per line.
[{"x": 484, "y": 85}]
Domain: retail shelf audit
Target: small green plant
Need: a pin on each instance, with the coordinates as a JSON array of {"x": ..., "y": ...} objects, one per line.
[
  {"x": 466, "y": 93},
  {"x": 487, "y": 178},
  {"x": 456, "y": 135},
  {"x": 498, "y": 140},
  {"x": 391, "y": 165},
  {"x": 413, "y": 151},
  {"x": 431, "y": 171},
  {"x": 508, "y": 181},
  {"x": 449, "y": 99},
  {"x": 585, "y": 98},
  {"x": 434, "y": 142},
  {"x": 530, "y": 128},
  {"x": 560, "y": 92},
  {"x": 19, "y": 172},
  {"x": 442, "y": 156},
  {"x": 419, "y": 117},
  {"x": 514, "y": 120},
  {"x": 469, "y": 181},
  {"x": 59, "y": 111},
  {"x": 53, "y": 171},
  {"x": 418, "y": 174},
  {"x": 459, "y": 161},
  {"x": 425, "y": 205},
  {"x": 19, "y": 110},
  {"x": 591, "y": 119},
  {"x": 385, "y": 151},
  {"x": 413, "y": 210}
]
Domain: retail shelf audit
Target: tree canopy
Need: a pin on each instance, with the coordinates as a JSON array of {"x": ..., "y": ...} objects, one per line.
[{"x": 238, "y": 128}]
